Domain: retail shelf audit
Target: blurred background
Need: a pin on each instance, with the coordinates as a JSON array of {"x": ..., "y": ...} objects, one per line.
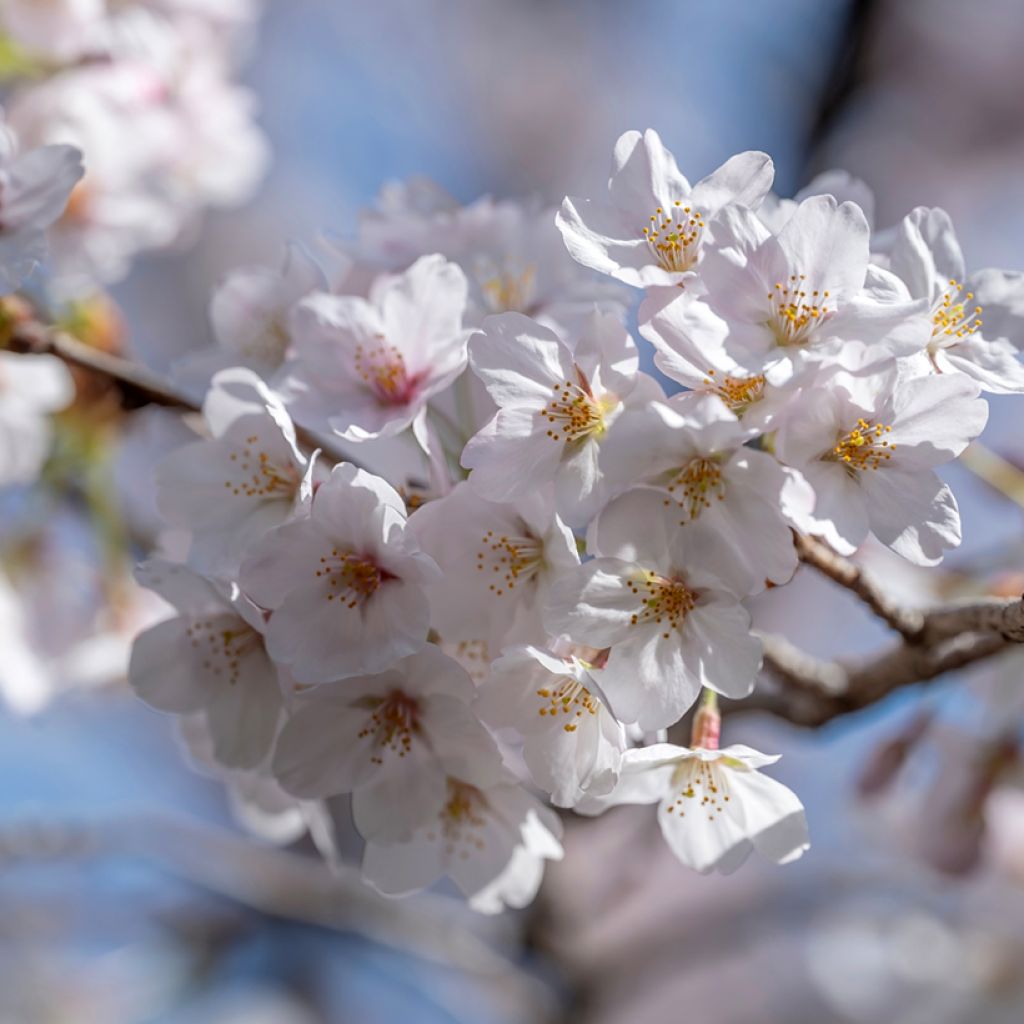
[{"x": 129, "y": 891}]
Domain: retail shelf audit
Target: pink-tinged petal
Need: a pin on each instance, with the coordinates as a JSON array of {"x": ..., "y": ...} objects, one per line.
[
  {"x": 398, "y": 869},
  {"x": 719, "y": 648},
  {"x": 828, "y": 242},
  {"x": 243, "y": 715},
  {"x": 166, "y": 672},
  {"x": 914, "y": 513},
  {"x": 595, "y": 604},
  {"x": 282, "y": 560},
  {"x": 518, "y": 360},
  {"x": 390, "y": 808},
  {"x": 840, "y": 513},
  {"x": 181, "y": 586},
  {"x": 422, "y": 312},
  {"x": 644, "y": 174},
  {"x": 926, "y": 253},
  {"x": 995, "y": 365},
  {"x": 702, "y": 829},
  {"x": 648, "y": 678},
  {"x": 934, "y": 419},
  {"x": 512, "y": 455},
  {"x": 773, "y": 817},
  {"x": 744, "y": 178}
]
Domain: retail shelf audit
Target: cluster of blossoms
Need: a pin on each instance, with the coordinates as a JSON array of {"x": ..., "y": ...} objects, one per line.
[
  {"x": 144, "y": 88},
  {"x": 547, "y": 568},
  {"x": 526, "y": 559}
]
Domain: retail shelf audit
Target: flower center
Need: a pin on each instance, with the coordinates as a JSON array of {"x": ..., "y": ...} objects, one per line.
[
  {"x": 568, "y": 697},
  {"x": 258, "y": 476},
  {"x": 952, "y": 318},
  {"x": 794, "y": 313},
  {"x": 463, "y": 818},
  {"x": 574, "y": 413},
  {"x": 864, "y": 447},
  {"x": 699, "y": 786},
  {"x": 351, "y": 579},
  {"x": 393, "y": 721},
  {"x": 382, "y": 370},
  {"x": 674, "y": 237},
  {"x": 270, "y": 345},
  {"x": 738, "y": 393},
  {"x": 509, "y": 292},
  {"x": 698, "y": 482},
  {"x": 222, "y": 642},
  {"x": 511, "y": 559},
  {"x": 664, "y": 601}
]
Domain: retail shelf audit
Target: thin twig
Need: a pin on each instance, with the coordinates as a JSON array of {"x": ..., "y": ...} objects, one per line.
[
  {"x": 137, "y": 387},
  {"x": 908, "y": 622}
]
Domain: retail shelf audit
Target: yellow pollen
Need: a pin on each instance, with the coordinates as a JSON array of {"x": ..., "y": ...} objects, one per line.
[
  {"x": 463, "y": 819},
  {"x": 382, "y": 370},
  {"x": 663, "y": 602},
  {"x": 393, "y": 722},
  {"x": 507, "y": 561},
  {"x": 351, "y": 579},
  {"x": 864, "y": 447},
  {"x": 794, "y": 312},
  {"x": 738, "y": 393},
  {"x": 568, "y": 697},
  {"x": 697, "y": 484},
  {"x": 574, "y": 413},
  {"x": 510, "y": 292},
  {"x": 222, "y": 642},
  {"x": 953, "y": 317},
  {"x": 674, "y": 237},
  {"x": 258, "y": 476},
  {"x": 700, "y": 787}
]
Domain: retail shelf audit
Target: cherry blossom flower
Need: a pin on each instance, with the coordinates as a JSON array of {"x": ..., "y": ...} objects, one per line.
[
  {"x": 655, "y": 596},
  {"x": 366, "y": 368},
  {"x": 247, "y": 478},
  {"x": 210, "y": 657},
  {"x": 556, "y": 404},
  {"x": 498, "y": 562},
  {"x": 714, "y": 806},
  {"x": 651, "y": 228},
  {"x": 842, "y": 186},
  {"x": 695, "y": 449},
  {"x": 510, "y": 251},
  {"x": 807, "y": 295},
  {"x": 34, "y": 190},
  {"x": 345, "y": 585},
  {"x": 31, "y": 387},
  {"x": 699, "y": 359},
  {"x": 249, "y": 312},
  {"x": 491, "y": 841},
  {"x": 391, "y": 740},
  {"x": 572, "y": 743},
  {"x": 869, "y": 447},
  {"x": 926, "y": 255}
]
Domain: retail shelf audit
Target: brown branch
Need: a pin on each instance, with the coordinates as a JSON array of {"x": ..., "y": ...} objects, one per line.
[
  {"x": 908, "y": 622},
  {"x": 995, "y": 616},
  {"x": 814, "y": 692},
  {"x": 137, "y": 387}
]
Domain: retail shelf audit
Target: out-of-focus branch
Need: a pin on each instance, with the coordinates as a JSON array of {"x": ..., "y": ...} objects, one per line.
[
  {"x": 814, "y": 692},
  {"x": 137, "y": 387},
  {"x": 908, "y": 622}
]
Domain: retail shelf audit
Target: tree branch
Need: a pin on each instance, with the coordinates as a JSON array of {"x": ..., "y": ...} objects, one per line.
[
  {"x": 137, "y": 387},
  {"x": 908, "y": 622},
  {"x": 815, "y": 692}
]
